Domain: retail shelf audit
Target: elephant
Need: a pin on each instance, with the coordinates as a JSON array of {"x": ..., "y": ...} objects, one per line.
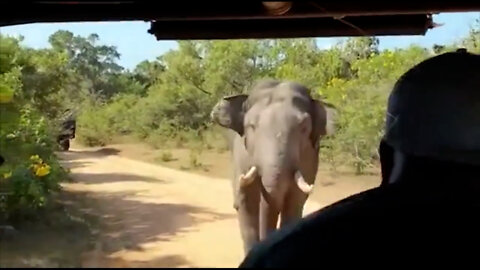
[{"x": 274, "y": 133}]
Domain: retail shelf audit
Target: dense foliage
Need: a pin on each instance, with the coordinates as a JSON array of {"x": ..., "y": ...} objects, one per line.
[
  {"x": 179, "y": 88},
  {"x": 169, "y": 99},
  {"x": 36, "y": 87}
]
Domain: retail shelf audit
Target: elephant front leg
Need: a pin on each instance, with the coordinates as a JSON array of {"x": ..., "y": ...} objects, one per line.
[
  {"x": 271, "y": 202},
  {"x": 293, "y": 208},
  {"x": 248, "y": 211},
  {"x": 268, "y": 218}
]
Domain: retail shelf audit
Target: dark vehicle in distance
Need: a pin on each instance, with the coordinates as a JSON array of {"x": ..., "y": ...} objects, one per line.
[{"x": 67, "y": 132}]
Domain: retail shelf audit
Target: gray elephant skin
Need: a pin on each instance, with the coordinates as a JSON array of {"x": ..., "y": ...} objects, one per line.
[{"x": 274, "y": 135}]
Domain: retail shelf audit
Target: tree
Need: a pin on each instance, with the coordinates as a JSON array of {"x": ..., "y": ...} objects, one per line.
[
  {"x": 232, "y": 66},
  {"x": 147, "y": 72},
  {"x": 472, "y": 41},
  {"x": 95, "y": 63},
  {"x": 359, "y": 48}
]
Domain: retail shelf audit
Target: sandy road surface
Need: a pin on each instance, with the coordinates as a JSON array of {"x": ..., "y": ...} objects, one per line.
[{"x": 153, "y": 216}]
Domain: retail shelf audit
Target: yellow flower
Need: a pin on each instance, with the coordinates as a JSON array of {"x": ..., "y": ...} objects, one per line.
[
  {"x": 42, "y": 170},
  {"x": 7, "y": 175},
  {"x": 36, "y": 159},
  {"x": 35, "y": 167}
]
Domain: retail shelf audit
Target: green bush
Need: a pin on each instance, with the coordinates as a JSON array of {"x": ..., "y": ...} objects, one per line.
[
  {"x": 93, "y": 127},
  {"x": 213, "y": 139},
  {"x": 118, "y": 116},
  {"x": 194, "y": 158},
  {"x": 361, "y": 105},
  {"x": 166, "y": 156},
  {"x": 31, "y": 171},
  {"x": 26, "y": 187}
]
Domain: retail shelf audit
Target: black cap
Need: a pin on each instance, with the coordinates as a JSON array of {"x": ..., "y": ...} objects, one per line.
[{"x": 434, "y": 109}]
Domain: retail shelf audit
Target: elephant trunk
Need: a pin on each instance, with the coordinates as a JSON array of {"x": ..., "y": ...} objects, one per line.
[
  {"x": 275, "y": 185},
  {"x": 275, "y": 189}
]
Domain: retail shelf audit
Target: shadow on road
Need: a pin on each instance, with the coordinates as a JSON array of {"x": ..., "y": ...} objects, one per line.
[
  {"x": 126, "y": 223},
  {"x": 102, "y": 178},
  {"x": 74, "y": 164},
  {"x": 83, "y": 154},
  {"x": 73, "y": 159},
  {"x": 107, "y": 151},
  {"x": 127, "y": 220},
  {"x": 168, "y": 261},
  {"x": 83, "y": 230},
  {"x": 165, "y": 261}
]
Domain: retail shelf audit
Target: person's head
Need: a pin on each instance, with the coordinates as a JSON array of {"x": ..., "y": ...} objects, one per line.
[{"x": 433, "y": 117}]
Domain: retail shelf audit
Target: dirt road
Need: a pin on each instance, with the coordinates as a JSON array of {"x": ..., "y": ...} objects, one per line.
[{"x": 153, "y": 216}]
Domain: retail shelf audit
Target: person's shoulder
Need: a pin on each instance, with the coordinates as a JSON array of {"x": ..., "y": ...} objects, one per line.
[{"x": 324, "y": 229}]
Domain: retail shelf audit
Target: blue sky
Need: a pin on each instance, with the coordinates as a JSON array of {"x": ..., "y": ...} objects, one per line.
[{"x": 135, "y": 44}]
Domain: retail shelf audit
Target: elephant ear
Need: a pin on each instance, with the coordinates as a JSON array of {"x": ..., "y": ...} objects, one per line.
[
  {"x": 229, "y": 112},
  {"x": 323, "y": 121}
]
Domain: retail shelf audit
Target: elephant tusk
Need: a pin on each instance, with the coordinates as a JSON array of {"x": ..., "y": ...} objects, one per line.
[
  {"x": 247, "y": 179},
  {"x": 302, "y": 185}
]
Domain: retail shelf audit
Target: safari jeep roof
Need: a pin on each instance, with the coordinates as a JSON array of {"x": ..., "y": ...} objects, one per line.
[{"x": 244, "y": 19}]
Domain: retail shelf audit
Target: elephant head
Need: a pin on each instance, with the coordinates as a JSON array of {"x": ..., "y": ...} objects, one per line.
[{"x": 280, "y": 125}]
